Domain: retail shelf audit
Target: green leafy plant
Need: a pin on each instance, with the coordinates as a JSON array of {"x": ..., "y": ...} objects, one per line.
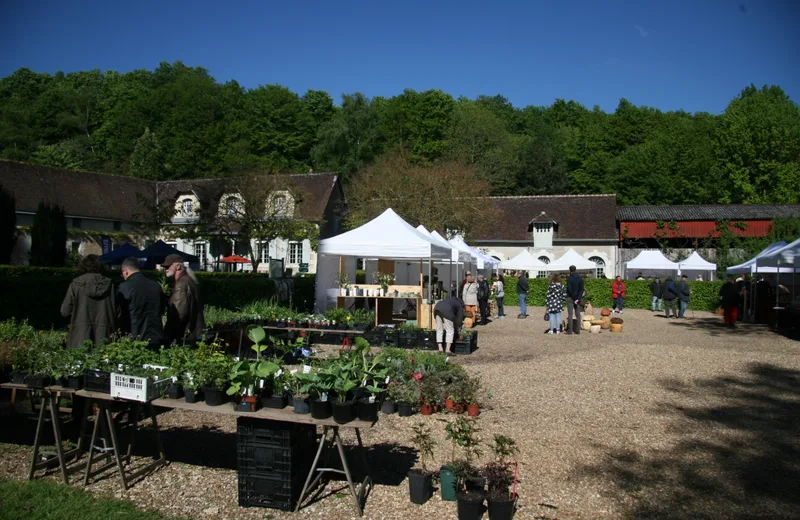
[
  {"x": 424, "y": 442},
  {"x": 462, "y": 432},
  {"x": 246, "y": 376}
]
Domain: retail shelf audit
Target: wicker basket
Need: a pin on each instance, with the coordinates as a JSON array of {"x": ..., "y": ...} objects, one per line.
[{"x": 616, "y": 327}]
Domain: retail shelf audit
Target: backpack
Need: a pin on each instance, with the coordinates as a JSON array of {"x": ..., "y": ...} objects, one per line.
[{"x": 483, "y": 290}]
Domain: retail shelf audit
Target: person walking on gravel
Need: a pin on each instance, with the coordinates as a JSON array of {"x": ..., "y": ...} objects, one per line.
[
  {"x": 499, "y": 293},
  {"x": 617, "y": 295},
  {"x": 575, "y": 288},
  {"x": 670, "y": 296},
  {"x": 554, "y": 301},
  {"x": 470, "y": 295},
  {"x": 729, "y": 301},
  {"x": 522, "y": 294},
  {"x": 684, "y": 295},
  {"x": 655, "y": 289}
]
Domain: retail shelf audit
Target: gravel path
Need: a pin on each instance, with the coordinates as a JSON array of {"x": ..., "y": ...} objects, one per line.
[{"x": 668, "y": 419}]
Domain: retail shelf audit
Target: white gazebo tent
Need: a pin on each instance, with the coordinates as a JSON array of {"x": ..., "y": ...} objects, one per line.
[
  {"x": 482, "y": 261},
  {"x": 695, "y": 262},
  {"x": 653, "y": 262},
  {"x": 457, "y": 260},
  {"x": 523, "y": 262},
  {"x": 750, "y": 267},
  {"x": 569, "y": 258},
  {"x": 787, "y": 256},
  {"x": 386, "y": 237}
]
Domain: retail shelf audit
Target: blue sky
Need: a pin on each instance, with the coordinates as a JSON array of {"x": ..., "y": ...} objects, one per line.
[{"x": 690, "y": 55}]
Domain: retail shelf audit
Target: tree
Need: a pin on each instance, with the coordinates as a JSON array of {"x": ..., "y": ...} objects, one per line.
[
  {"x": 48, "y": 236},
  {"x": 147, "y": 159},
  {"x": 444, "y": 196},
  {"x": 8, "y": 225}
]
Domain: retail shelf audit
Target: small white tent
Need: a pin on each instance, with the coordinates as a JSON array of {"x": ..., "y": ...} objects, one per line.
[
  {"x": 651, "y": 261},
  {"x": 569, "y": 258},
  {"x": 695, "y": 262},
  {"x": 523, "y": 262},
  {"x": 750, "y": 265}
]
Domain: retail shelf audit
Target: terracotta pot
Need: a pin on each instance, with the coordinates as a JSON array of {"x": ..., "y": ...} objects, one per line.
[
  {"x": 605, "y": 325},
  {"x": 597, "y": 322},
  {"x": 426, "y": 409},
  {"x": 605, "y": 312},
  {"x": 616, "y": 327},
  {"x": 473, "y": 410},
  {"x": 449, "y": 404}
]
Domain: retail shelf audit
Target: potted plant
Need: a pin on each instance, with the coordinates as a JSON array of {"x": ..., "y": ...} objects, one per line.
[
  {"x": 469, "y": 496},
  {"x": 344, "y": 284},
  {"x": 367, "y": 406},
  {"x": 430, "y": 392},
  {"x": 319, "y": 386},
  {"x": 500, "y": 477},
  {"x": 212, "y": 368},
  {"x": 70, "y": 364},
  {"x": 389, "y": 406},
  {"x": 248, "y": 377},
  {"x": 420, "y": 481},
  {"x": 471, "y": 395},
  {"x": 462, "y": 433},
  {"x": 274, "y": 388},
  {"x": 406, "y": 395},
  {"x": 179, "y": 360},
  {"x": 384, "y": 280}
]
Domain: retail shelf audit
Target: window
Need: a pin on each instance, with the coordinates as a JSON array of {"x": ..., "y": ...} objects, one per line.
[
  {"x": 186, "y": 208},
  {"x": 295, "y": 253},
  {"x": 117, "y": 225},
  {"x": 200, "y": 252},
  {"x": 599, "y": 271},
  {"x": 232, "y": 206},
  {"x": 77, "y": 223},
  {"x": 280, "y": 206},
  {"x": 263, "y": 251},
  {"x": 543, "y": 274}
]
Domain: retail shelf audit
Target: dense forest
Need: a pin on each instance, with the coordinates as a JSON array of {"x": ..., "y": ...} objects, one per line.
[{"x": 179, "y": 122}]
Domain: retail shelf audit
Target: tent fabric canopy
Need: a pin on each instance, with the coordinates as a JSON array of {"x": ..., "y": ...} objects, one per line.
[
  {"x": 652, "y": 260},
  {"x": 455, "y": 254},
  {"x": 385, "y": 236},
  {"x": 234, "y": 259},
  {"x": 695, "y": 262},
  {"x": 483, "y": 260},
  {"x": 788, "y": 255},
  {"x": 569, "y": 258},
  {"x": 523, "y": 262},
  {"x": 158, "y": 251},
  {"x": 750, "y": 266},
  {"x": 121, "y": 253}
]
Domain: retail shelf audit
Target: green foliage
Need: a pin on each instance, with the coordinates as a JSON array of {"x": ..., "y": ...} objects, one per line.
[
  {"x": 424, "y": 443},
  {"x": 147, "y": 157},
  {"x": 48, "y": 236}
]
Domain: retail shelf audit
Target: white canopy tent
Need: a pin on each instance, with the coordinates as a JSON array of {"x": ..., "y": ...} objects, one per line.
[
  {"x": 523, "y": 262},
  {"x": 695, "y": 262},
  {"x": 459, "y": 259},
  {"x": 786, "y": 256},
  {"x": 569, "y": 258},
  {"x": 750, "y": 267},
  {"x": 482, "y": 261},
  {"x": 652, "y": 261},
  {"x": 385, "y": 237}
]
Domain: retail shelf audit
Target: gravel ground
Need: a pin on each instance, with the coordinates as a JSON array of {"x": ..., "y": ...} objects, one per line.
[{"x": 668, "y": 419}]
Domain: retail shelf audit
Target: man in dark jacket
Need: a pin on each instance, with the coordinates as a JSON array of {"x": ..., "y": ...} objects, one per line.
[
  {"x": 184, "y": 311},
  {"x": 141, "y": 304},
  {"x": 449, "y": 314},
  {"x": 89, "y": 303},
  {"x": 483, "y": 298},
  {"x": 684, "y": 295},
  {"x": 574, "y": 297},
  {"x": 670, "y": 296},
  {"x": 729, "y": 301},
  {"x": 522, "y": 294},
  {"x": 655, "y": 289}
]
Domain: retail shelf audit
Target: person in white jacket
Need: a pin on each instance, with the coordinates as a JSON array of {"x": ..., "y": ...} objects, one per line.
[{"x": 470, "y": 297}]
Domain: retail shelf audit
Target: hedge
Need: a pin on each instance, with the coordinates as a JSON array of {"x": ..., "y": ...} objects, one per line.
[
  {"x": 36, "y": 293},
  {"x": 638, "y": 295}
]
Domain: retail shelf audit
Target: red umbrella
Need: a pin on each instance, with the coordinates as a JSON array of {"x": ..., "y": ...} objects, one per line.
[{"x": 234, "y": 259}]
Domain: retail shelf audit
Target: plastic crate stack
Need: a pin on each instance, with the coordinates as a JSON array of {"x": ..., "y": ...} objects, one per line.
[{"x": 274, "y": 459}]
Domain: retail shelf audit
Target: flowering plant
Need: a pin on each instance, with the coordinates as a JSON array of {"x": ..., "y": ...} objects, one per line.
[{"x": 383, "y": 279}]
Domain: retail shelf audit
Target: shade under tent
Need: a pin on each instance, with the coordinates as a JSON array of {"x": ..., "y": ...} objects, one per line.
[{"x": 696, "y": 263}]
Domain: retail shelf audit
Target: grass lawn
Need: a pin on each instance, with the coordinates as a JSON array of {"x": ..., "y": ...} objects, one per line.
[{"x": 41, "y": 500}]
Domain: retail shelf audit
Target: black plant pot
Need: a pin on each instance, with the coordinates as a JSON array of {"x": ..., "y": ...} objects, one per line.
[
  {"x": 420, "y": 486},
  {"x": 343, "y": 412},
  {"x": 388, "y": 407},
  {"x": 501, "y": 509},
  {"x": 73, "y": 382},
  {"x": 320, "y": 409},
  {"x": 193, "y": 396},
  {"x": 301, "y": 405},
  {"x": 214, "y": 396},
  {"x": 367, "y": 411},
  {"x": 276, "y": 401},
  {"x": 38, "y": 381},
  {"x": 175, "y": 392},
  {"x": 356, "y": 393},
  {"x": 405, "y": 409},
  {"x": 470, "y": 505},
  {"x": 18, "y": 376},
  {"x": 475, "y": 484}
]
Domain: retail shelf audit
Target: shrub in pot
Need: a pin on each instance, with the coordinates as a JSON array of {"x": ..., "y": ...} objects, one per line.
[
  {"x": 469, "y": 495},
  {"x": 367, "y": 406},
  {"x": 248, "y": 377},
  {"x": 500, "y": 477},
  {"x": 299, "y": 385},
  {"x": 420, "y": 480},
  {"x": 406, "y": 395},
  {"x": 462, "y": 434}
]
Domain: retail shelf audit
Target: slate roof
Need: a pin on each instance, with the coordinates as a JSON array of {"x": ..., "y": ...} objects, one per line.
[
  {"x": 578, "y": 216},
  {"x": 116, "y": 197},
  {"x": 707, "y": 212},
  {"x": 80, "y": 193}
]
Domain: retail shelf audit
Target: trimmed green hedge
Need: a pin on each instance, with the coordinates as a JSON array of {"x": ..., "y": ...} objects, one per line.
[
  {"x": 638, "y": 296},
  {"x": 36, "y": 293}
]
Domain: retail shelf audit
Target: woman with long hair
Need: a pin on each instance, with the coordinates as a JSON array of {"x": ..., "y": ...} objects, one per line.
[{"x": 554, "y": 301}]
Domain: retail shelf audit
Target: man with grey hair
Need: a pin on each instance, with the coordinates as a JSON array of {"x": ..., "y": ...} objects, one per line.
[
  {"x": 140, "y": 303},
  {"x": 185, "y": 311}
]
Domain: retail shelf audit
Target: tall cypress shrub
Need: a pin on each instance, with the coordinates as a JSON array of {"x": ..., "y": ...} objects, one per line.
[
  {"x": 8, "y": 225},
  {"x": 48, "y": 236}
]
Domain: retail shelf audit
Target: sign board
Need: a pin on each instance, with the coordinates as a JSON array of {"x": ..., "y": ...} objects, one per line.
[
  {"x": 105, "y": 243},
  {"x": 303, "y": 268}
]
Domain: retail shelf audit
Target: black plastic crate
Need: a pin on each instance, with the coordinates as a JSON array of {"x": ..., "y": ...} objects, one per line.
[
  {"x": 97, "y": 381},
  {"x": 260, "y": 490},
  {"x": 275, "y": 433}
]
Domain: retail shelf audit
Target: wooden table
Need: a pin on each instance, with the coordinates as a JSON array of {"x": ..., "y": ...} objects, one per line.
[
  {"x": 384, "y": 306},
  {"x": 330, "y": 437},
  {"x": 50, "y": 395}
]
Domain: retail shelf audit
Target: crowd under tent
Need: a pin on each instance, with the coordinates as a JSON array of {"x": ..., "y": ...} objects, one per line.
[
  {"x": 571, "y": 257},
  {"x": 696, "y": 263},
  {"x": 524, "y": 261},
  {"x": 383, "y": 242}
]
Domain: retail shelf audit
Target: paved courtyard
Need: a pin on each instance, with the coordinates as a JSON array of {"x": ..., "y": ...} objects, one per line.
[{"x": 668, "y": 419}]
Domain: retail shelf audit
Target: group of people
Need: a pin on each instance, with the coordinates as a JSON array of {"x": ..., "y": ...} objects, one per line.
[
  {"x": 675, "y": 297},
  {"x": 475, "y": 295},
  {"x": 97, "y": 310}
]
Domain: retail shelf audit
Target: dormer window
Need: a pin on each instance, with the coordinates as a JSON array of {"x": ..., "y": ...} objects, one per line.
[
  {"x": 280, "y": 206},
  {"x": 231, "y": 205},
  {"x": 542, "y": 228},
  {"x": 186, "y": 208}
]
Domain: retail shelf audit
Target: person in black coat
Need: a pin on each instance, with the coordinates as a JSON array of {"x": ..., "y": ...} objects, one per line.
[
  {"x": 670, "y": 296},
  {"x": 483, "y": 298},
  {"x": 141, "y": 305},
  {"x": 729, "y": 301},
  {"x": 684, "y": 295},
  {"x": 656, "y": 288},
  {"x": 449, "y": 315},
  {"x": 575, "y": 288}
]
